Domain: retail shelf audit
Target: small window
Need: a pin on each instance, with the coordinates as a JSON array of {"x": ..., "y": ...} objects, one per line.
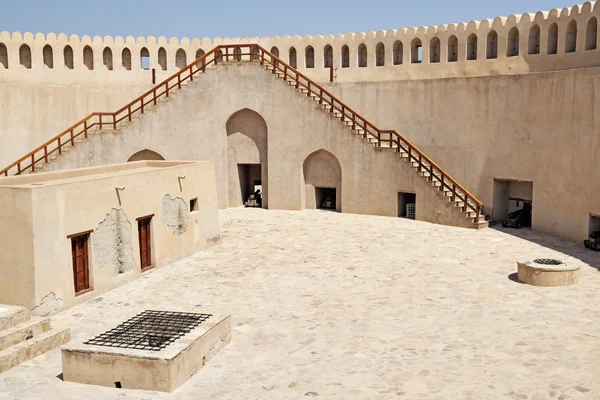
[
  {"x": 407, "y": 205},
  {"x": 194, "y": 204},
  {"x": 145, "y": 58}
]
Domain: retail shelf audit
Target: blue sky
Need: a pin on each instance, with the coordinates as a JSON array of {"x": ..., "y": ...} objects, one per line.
[{"x": 201, "y": 18}]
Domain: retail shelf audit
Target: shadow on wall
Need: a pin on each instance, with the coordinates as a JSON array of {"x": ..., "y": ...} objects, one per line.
[
  {"x": 322, "y": 175},
  {"x": 568, "y": 247},
  {"x": 145, "y": 155}
]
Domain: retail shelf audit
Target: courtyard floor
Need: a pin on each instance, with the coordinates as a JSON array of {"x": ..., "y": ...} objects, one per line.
[{"x": 340, "y": 306}]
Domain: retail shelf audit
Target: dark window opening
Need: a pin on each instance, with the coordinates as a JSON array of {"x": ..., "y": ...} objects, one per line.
[
  {"x": 325, "y": 198},
  {"x": 407, "y": 203},
  {"x": 194, "y": 204}
]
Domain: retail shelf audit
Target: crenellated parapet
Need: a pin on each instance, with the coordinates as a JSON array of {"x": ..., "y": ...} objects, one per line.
[{"x": 545, "y": 41}]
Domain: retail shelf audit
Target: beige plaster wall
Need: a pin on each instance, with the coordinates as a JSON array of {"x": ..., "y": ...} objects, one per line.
[
  {"x": 43, "y": 98},
  {"x": 193, "y": 126},
  {"x": 541, "y": 128},
  {"x": 66, "y": 204},
  {"x": 17, "y": 285}
]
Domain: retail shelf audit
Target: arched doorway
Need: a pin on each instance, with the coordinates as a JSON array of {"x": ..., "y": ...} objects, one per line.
[
  {"x": 322, "y": 181},
  {"x": 145, "y": 154},
  {"x": 247, "y": 151}
]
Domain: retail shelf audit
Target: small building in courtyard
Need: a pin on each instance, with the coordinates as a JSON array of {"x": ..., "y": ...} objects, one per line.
[{"x": 71, "y": 235}]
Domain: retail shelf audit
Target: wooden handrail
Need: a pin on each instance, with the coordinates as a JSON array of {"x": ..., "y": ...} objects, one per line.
[{"x": 255, "y": 53}]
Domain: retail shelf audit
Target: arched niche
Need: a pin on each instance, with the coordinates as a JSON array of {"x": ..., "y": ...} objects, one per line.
[
  {"x": 48, "y": 56},
  {"x": 25, "y": 56},
  {"x": 126, "y": 59},
  {"x": 68, "y": 56},
  {"x": 322, "y": 177},
  {"x": 247, "y": 154},
  {"x": 309, "y": 57},
  {"x": 345, "y": 56},
  {"x": 293, "y": 57},
  {"x": 145, "y": 154},
  {"x": 398, "y": 52},
  {"x": 380, "y": 55},
  {"x": 180, "y": 59},
  {"x": 88, "y": 57},
  {"x": 328, "y": 56},
  {"x": 362, "y": 56},
  {"x": 107, "y": 58}
]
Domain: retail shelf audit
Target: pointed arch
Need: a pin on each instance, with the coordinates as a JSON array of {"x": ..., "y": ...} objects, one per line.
[
  {"x": 571, "y": 39},
  {"x": 322, "y": 175},
  {"x": 362, "y": 56},
  {"x": 591, "y": 34},
  {"x": 107, "y": 58},
  {"x": 88, "y": 57},
  {"x": 380, "y": 55},
  {"x": 247, "y": 146},
  {"x": 452, "y": 49},
  {"x": 48, "y": 56},
  {"x": 328, "y": 56},
  {"x": 553, "y": 39},
  {"x": 416, "y": 48},
  {"x": 275, "y": 52},
  {"x": 180, "y": 59},
  {"x": 3, "y": 56},
  {"x": 199, "y": 53},
  {"x": 126, "y": 59},
  {"x": 293, "y": 57},
  {"x": 145, "y": 154},
  {"x": 162, "y": 58},
  {"x": 472, "y": 47},
  {"x": 534, "y": 39},
  {"x": 345, "y": 56},
  {"x": 145, "y": 58},
  {"x": 492, "y": 45},
  {"x": 309, "y": 55},
  {"x": 398, "y": 52},
  {"x": 25, "y": 56},
  {"x": 434, "y": 50},
  {"x": 512, "y": 48},
  {"x": 68, "y": 56}
]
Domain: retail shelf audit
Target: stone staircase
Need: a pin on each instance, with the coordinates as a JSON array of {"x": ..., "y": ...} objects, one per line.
[
  {"x": 449, "y": 190},
  {"x": 23, "y": 337},
  {"x": 420, "y": 168}
]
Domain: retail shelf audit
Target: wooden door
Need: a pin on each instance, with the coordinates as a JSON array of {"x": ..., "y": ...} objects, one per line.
[
  {"x": 144, "y": 238},
  {"x": 81, "y": 272}
]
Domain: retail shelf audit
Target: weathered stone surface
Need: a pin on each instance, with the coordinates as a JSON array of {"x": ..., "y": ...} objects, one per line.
[
  {"x": 113, "y": 250},
  {"x": 355, "y": 307},
  {"x": 175, "y": 214},
  {"x": 48, "y": 305}
]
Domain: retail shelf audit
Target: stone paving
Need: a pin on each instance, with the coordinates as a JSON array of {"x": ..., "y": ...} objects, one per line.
[{"x": 340, "y": 306}]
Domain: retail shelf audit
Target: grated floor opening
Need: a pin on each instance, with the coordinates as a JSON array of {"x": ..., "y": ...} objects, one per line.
[{"x": 150, "y": 330}]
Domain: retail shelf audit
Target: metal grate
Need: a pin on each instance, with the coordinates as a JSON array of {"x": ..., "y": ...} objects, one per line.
[
  {"x": 410, "y": 211},
  {"x": 150, "y": 330},
  {"x": 547, "y": 261}
]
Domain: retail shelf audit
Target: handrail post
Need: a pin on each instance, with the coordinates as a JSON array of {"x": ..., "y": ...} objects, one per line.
[
  {"x": 353, "y": 121},
  {"x": 154, "y": 76},
  {"x": 321, "y": 96},
  {"x": 85, "y": 128},
  {"x": 192, "y": 73},
  {"x": 46, "y": 154},
  {"x": 285, "y": 74},
  {"x": 227, "y": 54},
  {"x": 33, "y": 162},
  {"x": 18, "y": 168},
  {"x": 178, "y": 81},
  {"x": 167, "y": 88},
  {"x": 142, "y": 105},
  {"x": 129, "y": 113},
  {"x": 442, "y": 180},
  {"x": 262, "y": 57},
  {"x": 331, "y": 73},
  {"x": 454, "y": 194},
  {"x": 297, "y": 82},
  {"x": 154, "y": 93},
  {"x": 100, "y": 119},
  {"x": 59, "y": 146},
  {"x": 204, "y": 64},
  {"x": 378, "y": 138},
  {"x": 308, "y": 94},
  {"x": 72, "y": 138},
  {"x": 114, "y": 121}
]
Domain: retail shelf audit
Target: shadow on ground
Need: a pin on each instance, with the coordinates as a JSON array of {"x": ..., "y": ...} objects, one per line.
[{"x": 572, "y": 249}]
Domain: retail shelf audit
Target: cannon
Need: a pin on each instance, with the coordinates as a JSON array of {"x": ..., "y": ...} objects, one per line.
[{"x": 593, "y": 243}]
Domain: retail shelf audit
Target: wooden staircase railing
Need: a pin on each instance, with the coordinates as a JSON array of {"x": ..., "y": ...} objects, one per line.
[{"x": 250, "y": 52}]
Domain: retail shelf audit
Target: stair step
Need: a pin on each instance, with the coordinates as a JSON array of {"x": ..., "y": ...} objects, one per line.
[
  {"x": 12, "y": 315},
  {"x": 23, "y": 331},
  {"x": 38, "y": 345}
]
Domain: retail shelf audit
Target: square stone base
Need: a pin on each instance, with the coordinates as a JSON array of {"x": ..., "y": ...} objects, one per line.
[{"x": 163, "y": 370}]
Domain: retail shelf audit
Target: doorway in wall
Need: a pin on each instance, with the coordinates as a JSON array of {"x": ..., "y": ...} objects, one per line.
[
  {"x": 145, "y": 242},
  {"x": 510, "y": 198},
  {"x": 250, "y": 180},
  {"x": 325, "y": 198},
  {"x": 81, "y": 265},
  {"x": 594, "y": 223},
  {"x": 407, "y": 205}
]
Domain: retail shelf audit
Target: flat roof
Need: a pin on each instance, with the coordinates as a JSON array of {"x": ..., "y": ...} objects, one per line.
[{"x": 89, "y": 173}]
